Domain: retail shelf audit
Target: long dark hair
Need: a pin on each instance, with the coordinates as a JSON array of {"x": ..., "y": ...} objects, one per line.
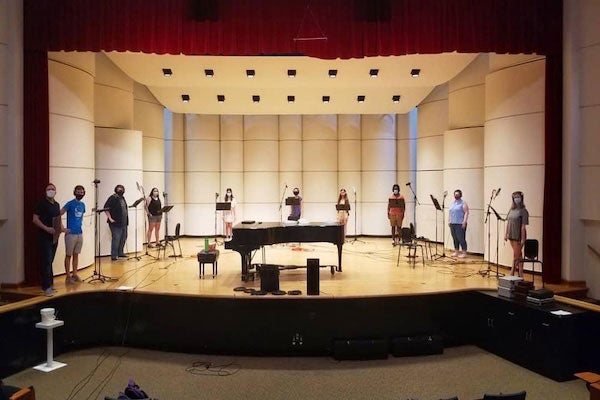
[
  {"x": 345, "y": 195},
  {"x": 228, "y": 197}
]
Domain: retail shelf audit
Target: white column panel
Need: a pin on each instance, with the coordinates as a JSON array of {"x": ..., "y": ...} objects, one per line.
[
  {"x": 349, "y": 167},
  {"x": 71, "y": 102},
  {"x": 232, "y": 161},
  {"x": 118, "y": 155},
  {"x": 113, "y": 95},
  {"x": 405, "y": 159},
  {"x": 514, "y": 145},
  {"x": 174, "y": 182},
  {"x": 290, "y": 160}
]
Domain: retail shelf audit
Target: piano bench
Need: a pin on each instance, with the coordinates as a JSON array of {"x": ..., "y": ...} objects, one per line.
[{"x": 208, "y": 257}]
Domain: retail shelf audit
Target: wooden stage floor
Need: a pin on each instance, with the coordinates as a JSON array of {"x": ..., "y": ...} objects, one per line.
[{"x": 369, "y": 269}]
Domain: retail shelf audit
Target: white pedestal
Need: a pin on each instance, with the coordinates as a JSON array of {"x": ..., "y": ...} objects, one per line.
[{"x": 50, "y": 364}]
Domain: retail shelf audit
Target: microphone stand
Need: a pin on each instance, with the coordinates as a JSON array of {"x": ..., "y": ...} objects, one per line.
[
  {"x": 488, "y": 271},
  {"x": 355, "y": 223},
  {"x": 141, "y": 189},
  {"x": 281, "y": 203},
  {"x": 414, "y": 207},
  {"x": 97, "y": 275},
  {"x": 216, "y": 240}
]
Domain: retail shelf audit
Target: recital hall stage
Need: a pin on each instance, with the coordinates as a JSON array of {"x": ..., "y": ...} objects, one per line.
[{"x": 165, "y": 303}]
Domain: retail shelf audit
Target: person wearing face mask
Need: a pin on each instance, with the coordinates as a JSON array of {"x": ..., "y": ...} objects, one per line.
[
  {"x": 459, "y": 213},
  {"x": 229, "y": 215},
  {"x": 342, "y": 215},
  {"x": 153, "y": 210},
  {"x": 44, "y": 217},
  {"x": 118, "y": 220},
  {"x": 296, "y": 209},
  {"x": 75, "y": 210},
  {"x": 516, "y": 232},
  {"x": 396, "y": 214}
]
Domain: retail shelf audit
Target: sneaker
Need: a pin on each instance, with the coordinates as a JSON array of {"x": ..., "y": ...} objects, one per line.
[
  {"x": 455, "y": 254},
  {"x": 114, "y": 259},
  {"x": 53, "y": 289},
  {"x": 49, "y": 292},
  {"x": 462, "y": 254},
  {"x": 123, "y": 256},
  {"x": 69, "y": 280},
  {"x": 75, "y": 278}
]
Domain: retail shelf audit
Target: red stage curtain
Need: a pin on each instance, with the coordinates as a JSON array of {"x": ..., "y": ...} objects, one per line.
[{"x": 268, "y": 27}]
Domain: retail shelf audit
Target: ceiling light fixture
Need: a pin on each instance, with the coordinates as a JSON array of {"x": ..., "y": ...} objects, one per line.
[
  {"x": 396, "y": 98},
  {"x": 291, "y": 99},
  {"x": 221, "y": 98},
  {"x": 167, "y": 72},
  {"x": 185, "y": 98},
  {"x": 250, "y": 73},
  {"x": 291, "y": 73},
  {"x": 209, "y": 73},
  {"x": 373, "y": 73},
  {"x": 255, "y": 98},
  {"x": 326, "y": 99},
  {"x": 415, "y": 72},
  {"x": 332, "y": 73},
  {"x": 360, "y": 99}
]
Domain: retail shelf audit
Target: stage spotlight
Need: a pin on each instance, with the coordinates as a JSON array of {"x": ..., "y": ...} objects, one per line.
[
  {"x": 291, "y": 99},
  {"x": 360, "y": 99},
  {"x": 255, "y": 98},
  {"x": 250, "y": 73},
  {"x": 373, "y": 73},
  {"x": 396, "y": 98},
  {"x": 185, "y": 98},
  {"x": 415, "y": 72},
  {"x": 167, "y": 72},
  {"x": 332, "y": 73},
  {"x": 221, "y": 98},
  {"x": 326, "y": 99},
  {"x": 209, "y": 73},
  {"x": 291, "y": 73}
]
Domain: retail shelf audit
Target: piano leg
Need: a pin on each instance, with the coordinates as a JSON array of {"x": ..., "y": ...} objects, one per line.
[{"x": 339, "y": 246}]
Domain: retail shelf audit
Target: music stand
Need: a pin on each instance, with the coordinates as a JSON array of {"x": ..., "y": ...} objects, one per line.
[
  {"x": 134, "y": 206},
  {"x": 443, "y": 255},
  {"x": 220, "y": 206},
  {"x": 342, "y": 207},
  {"x": 437, "y": 206},
  {"x": 292, "y": 201}
]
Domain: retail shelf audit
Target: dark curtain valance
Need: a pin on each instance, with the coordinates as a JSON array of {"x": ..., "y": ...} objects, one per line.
[{"x": 354, "y": 29}]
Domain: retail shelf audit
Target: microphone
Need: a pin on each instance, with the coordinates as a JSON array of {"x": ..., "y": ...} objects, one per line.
[
  {"x": 407, "y": 184},
  {"x": 216, "y": 195},
  {"x": 139, "y": 188},
  {"x": 493, "y": 193},
  {"x": 96, "y": 181},
  {"x": 354, "y": 189},
  {"x": 497, "y": 192},
  {"x": 445, "y": 193},
  {"x": 164, "y": 194}
]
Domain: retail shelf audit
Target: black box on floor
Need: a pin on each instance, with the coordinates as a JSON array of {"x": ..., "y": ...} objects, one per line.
[
  {"x": 360, "y": 349},
  {"x": 269, "y": 277},
  {"x": 417, "y": 345}
]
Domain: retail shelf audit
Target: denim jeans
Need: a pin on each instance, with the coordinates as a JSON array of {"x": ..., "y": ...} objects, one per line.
[
  {"x": 458, "y": 235},
  {"x": 117, "y": 243},
  {"x": 47, "y": 252}
]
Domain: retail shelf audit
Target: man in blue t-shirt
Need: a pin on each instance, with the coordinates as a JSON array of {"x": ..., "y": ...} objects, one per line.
[{"x": 75, "y": 210}]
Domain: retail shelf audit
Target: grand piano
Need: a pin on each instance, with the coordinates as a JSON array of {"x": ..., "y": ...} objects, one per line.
[{"x": 248, "y": 237}]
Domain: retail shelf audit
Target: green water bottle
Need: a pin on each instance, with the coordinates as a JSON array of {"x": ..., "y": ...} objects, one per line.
[{"x": 205, "y": 244}]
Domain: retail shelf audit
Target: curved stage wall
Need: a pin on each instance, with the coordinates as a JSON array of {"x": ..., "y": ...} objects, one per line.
[{"x": 289, "y": 326}]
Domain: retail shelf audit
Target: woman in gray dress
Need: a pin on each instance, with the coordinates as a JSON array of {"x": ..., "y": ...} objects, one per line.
[{"x": 516, "y": 232}]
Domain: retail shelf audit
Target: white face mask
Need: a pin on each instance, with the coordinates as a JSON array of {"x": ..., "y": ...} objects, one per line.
[
  {"x": 518, "y": 200},
  {"x": 50, "y": 194},
  {"x": 396, "y": 192}
]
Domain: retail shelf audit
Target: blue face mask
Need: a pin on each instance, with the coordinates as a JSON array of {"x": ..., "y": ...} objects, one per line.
[{"x": 517, "y": 200}]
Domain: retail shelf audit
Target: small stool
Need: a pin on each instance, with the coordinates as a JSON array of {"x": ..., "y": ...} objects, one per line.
[{"x": 208, "y": 257}]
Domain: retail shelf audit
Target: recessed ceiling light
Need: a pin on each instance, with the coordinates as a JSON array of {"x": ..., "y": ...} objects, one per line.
[
  {"x": 415, "y": 72},
  {"x": 221, "y": 98},
  {"x": 396, "y": 98},
  {"x": 291, "y": 73},
  {"x": 185, "y": 98},
  {"x": 332, "y": 73},
  {"x": 209, "y": 73},
  {"x": 255, "y": 98},
  {"x": 167, "y": 72},
  {"x": 250, "y": 73},
  {"x": 360, "y": 99},
  {"x": 325, "y": 99},
  {"x": 291, "y": 99},
  {"x": 373, "y": 73}
]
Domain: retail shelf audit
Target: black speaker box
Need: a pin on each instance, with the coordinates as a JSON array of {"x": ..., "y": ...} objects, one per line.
[
  {"x": 417, "y": 345},
  {"x": 360, "y": 349},
  {"x": 269, "y": 278},
  {"x": 312, "y": 277}
]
